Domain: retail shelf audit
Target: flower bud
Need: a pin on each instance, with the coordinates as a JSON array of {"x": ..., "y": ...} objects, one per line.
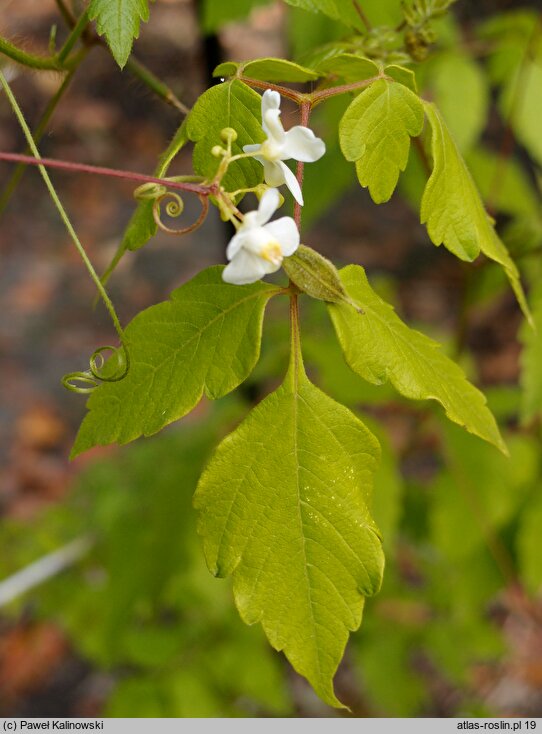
[{"x": 228, "y": 135}]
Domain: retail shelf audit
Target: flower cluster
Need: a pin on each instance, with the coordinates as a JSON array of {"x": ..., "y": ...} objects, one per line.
[{"x": 259, "y": 246}]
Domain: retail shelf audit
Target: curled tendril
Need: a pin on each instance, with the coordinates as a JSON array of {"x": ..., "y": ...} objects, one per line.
[
  {"x": 158, "y": 193},
  {"x": 86, "y": 381},
  {"x": 174, "y": 208}
]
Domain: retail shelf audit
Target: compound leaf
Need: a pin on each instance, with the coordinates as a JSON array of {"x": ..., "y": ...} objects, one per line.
[
  {"x": 205, "y": 339},
  {"x": 284, "y": 510},
  {"x": 375, "y": 132},
  {"x": 119, "y": 21},
  {"x": 229, "y": 104},
  {"x": 379, "y": 347}
]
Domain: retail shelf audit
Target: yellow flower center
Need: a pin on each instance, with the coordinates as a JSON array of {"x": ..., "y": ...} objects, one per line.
[{"x": 272, "y": 252}]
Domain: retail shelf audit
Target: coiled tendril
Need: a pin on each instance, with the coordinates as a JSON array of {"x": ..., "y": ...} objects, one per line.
[
  {"x": 158, "y": 193},
  {"x": 116, "y": 368}
]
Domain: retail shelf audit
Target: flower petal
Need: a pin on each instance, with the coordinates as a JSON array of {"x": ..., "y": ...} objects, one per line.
[
  {"x": 301, "y": 144},
  {"x": 272, "y": 126},
  {"x": 285, "y": 231},
  {"x": 273, "y": 173},
  {"x": 245, "y": 268},
  {"x": 269, "y": 203},
  {"x": 270, "y": 101},
  {"x": 291, "y": 182},
  {"x": 252, "y": 148},
  {"x": 235, "y": 244}
]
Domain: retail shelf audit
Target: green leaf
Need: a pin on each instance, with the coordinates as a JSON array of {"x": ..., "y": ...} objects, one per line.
[
  {"x": 454, "y": 212},
  {"x": 227, "y": 68},
  {"x": 315, "y": 275},
  {"x": 283, "y": 508},
  {"x": 142, "y": 226},
  {"x": 531, "y": 361},
  {"x": 268, "y": 70},
  {"x": 230, "y": 104},
  {"x": 455, "y": 78},
  {"x": 278, "y": 70},
  {"x": 451, "y": 205},
  {"x": 379, "y": 347},
  {"x": 216, "y": 14},
  {"x": 205, "y": 339},
  {"x": 350, "y": 67},
  {"x": 375, "y": 132},
  {"x": 402, "y": 75},
  {"x": 388, "y": 488},
  {"x": 119, "y": 21}
]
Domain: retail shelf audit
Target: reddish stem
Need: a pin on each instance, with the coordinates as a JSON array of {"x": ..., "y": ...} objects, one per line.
[
  {"x": 305, "y": 110},
  {"x": 316, "y": 97},
  {"x": 283, "y": 91},
  {"x": 322, "y": 94},
  {"x": 111, "y": 172}
]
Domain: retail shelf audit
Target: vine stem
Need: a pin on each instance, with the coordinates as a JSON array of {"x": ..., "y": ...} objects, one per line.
[
  {"x": 199, "y": 189},
  {"x": 313, "y": 98},
  {"x": 37, "y": 135},
  {"x": 296, "y": 358},
  {"x": 54, "y": 196},
  {"x": 305, "y": 111}
]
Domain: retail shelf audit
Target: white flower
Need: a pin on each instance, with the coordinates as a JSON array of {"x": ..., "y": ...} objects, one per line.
[
  {"x": 299, "y": 143},
  {"x": 259, "y": 247}
]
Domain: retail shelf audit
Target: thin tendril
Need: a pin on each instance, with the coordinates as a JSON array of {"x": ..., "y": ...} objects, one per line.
[
  {"x": 94, "y": 371},
  {"x": 158, "y": 194},
  {"x": 85, "y": 381}
]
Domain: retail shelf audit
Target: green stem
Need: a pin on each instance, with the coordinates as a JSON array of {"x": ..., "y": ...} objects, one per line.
[
  {"x": 296, "y": 367},
  {"x": 156, "y": 85},
  {"x": 61, "y": 210},
  {"x": 37, "y": 135},
  {"x": 33, "y": 61},
  {"x": 74, "y": 36},
  {"x": 58, "y": 62}
]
